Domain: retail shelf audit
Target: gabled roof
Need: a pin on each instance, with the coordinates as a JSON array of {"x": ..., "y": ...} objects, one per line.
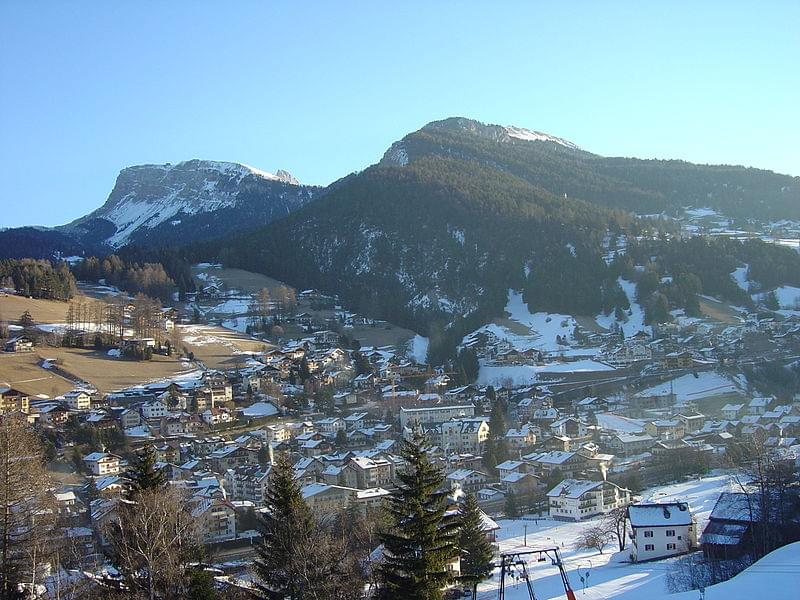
[{"x": 659, "y": 515}]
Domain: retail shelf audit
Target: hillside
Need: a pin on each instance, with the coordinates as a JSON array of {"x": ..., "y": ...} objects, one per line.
[{"x": 457, "y": 213}]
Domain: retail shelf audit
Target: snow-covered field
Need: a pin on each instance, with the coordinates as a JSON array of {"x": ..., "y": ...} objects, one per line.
[
  {"x": 688, "y": 387},
  {"x": 418, "y": 349},
  {"x": 610, "y": 576},
  {"x": 542, "y": 328},
  {"x": 635, "y": 315}
]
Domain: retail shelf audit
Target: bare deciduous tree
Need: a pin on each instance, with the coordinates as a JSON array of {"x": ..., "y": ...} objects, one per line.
[
  {"x": 153, "y": 541},
  {"x": 594, "y": 538},
  {"x": 26, "y": 503}
]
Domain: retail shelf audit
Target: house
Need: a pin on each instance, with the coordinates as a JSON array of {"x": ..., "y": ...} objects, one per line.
[
  {"x": 730, "y": 525},
  {"x": 12, "y": 400},
  {"x": 568, "y": 427},
  {"x": 468, "y": 480},
  {"x": 678, "y": 360},
  {"x": 331, "y": 424},
  {"x": 365, "y": 473},
  {"x": 660, "y": 530},
  {"x": 19, "y": 344},
  {"x": 216, "y": 517},
  {"x": 520, "y": 483},
  {"x": 465, "y": 435},
  {"x": 630, "y": 444},
  {"x": 78, "y": 400},
  {"x": 326, "y": 499},
  {"x": 215, "y": 416},
  {"x": 577, "y": 499},
  {"x": 154, "y": 410},
  {"x": 519, "y": 439},
  {"x": 355, "y": 421},
  {"x": 732, "y": 412},
  {"x": 231, "y": 456},
  {"x": 758, "y": 406},
  {"x": 665, "y": 429},
  {"x": 247, "y": 483},
  {"x": 102, "y": 463},
  {"x": 568, "y": 464}
]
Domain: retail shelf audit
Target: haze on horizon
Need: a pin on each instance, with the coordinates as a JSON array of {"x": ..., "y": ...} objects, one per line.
[{"x": 323, "y": 90}]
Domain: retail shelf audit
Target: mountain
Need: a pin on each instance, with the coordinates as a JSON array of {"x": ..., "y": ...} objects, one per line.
[
  {"x": 641, "y": 186},
  {"x": 173, "y": 204},
  {"x": 454, "y": 215}
]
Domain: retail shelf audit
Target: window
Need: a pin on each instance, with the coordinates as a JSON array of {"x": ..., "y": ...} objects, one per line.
[
  {"x": 670, "y": 533},
  {"x": 680, "y": 537},
  {"x": 670, "y": 546},
  {"x": 649, "y": 547},
  {"x": 648, "y": 534}
]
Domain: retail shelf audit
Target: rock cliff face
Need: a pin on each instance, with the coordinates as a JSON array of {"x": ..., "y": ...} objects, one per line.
[{"x": 191, "y": 200}]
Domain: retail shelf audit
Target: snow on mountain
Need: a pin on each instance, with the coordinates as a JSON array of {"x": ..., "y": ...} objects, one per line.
[
  {"x": 145, "y": 196},
  {"x": 529, "y": 135}
]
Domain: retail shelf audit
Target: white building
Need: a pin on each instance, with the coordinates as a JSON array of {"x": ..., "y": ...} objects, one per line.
[
  {"x": 661, "y": 530},
  {"x": 465, "y": 435},
  {"x": 78, "y": 400},
  {"x": 435, "y": 414},
  {"x": 577, "y": 499},
  {"x": 102, "y": 463},
  {"x": 154, "y": 410}
]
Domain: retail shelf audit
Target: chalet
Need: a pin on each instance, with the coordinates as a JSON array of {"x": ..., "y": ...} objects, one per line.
[
  {"x": 78, "y": 400},
  {"x": 630, "y": 444},
  {"x": 665, "y": 429},
  {"x": 216, "y": 516},
  {"x": 365, "y": 473},
  {"x": 545, "y": 463},
  {"x": 102, "y": 463},
  {"x": 520, "y": 483},
  {"x": 519, "y": 439},
  {"x": 729, "y": 530},
  {"x": 568, "y": 426},
  {"x": 231, "y": 456},
  {"x": 355, "y": 421},
  {"x": 467, "y": 480},
  {"x": 577, "y": 499},
  {"x": 660, "y": 530},
  {"x": 678, "y": 360},
  {"x": 19, "y": 344},
  {"x": 328, "y": 499},
  {"x": 12, "y": 400},
  {"x": 465, "y": 435},
  {"x": 758, "y": 406},
  {"x": 51, "y": 413},
  {"x": 732, "y": 412}
]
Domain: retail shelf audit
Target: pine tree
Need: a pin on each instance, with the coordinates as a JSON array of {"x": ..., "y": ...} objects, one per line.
[
  {"x": 297, "y": 558},
  {"x": 144, "y": 475},
  {"x": 473, "y": 545},
  {"x": 422, "y": 539},
  {"x": 511, "y": 509}
]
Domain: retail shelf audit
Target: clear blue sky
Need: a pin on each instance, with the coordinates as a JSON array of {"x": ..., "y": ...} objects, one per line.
[{"x": 322, "y": 89}]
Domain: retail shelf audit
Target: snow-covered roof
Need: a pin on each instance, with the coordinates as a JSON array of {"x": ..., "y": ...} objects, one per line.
[
  {"x": 574, "y": 488},
  {"x": 659, "y": 515}
]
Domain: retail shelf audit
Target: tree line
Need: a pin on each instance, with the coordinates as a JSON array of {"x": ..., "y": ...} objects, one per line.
[{"x": 38, "y": 278}]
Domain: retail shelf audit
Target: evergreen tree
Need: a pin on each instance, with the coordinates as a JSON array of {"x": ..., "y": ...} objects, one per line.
[
  {"x": 511, "y": 509},
  {"x": 422, "y": 539},
  {"x": 473, "y": 545},
  {"x": 144, "y": 475},
  {"x": 296, "y": 559},
  {"x": 285, "y": 527}
]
